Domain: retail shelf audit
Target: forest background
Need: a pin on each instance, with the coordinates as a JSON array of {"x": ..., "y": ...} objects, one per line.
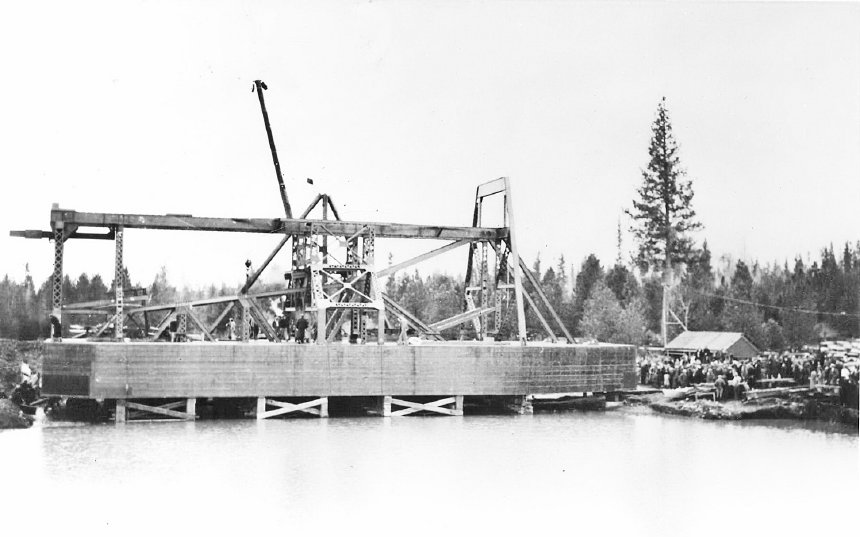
[{"x": 778, "y": 306}]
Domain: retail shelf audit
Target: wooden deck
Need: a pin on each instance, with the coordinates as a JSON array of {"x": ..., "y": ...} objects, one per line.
[{"x": 106, "y": 370}]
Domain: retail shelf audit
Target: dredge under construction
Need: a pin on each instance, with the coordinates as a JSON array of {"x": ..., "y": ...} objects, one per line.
[{"x": 334, "y": 278}]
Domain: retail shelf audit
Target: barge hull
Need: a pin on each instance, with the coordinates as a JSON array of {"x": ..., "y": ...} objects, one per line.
[{"x": 107, "y": 370}]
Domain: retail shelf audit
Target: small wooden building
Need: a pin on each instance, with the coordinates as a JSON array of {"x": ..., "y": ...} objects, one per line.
[{"x": 728, "y": 343}]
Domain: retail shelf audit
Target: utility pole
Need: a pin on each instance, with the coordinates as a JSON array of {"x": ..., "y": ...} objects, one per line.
[
  {"x": 669, "y": 315},
  {"x": 664, "y": 317}
]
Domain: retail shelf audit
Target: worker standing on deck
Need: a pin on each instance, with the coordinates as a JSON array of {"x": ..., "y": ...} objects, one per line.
[
  {"x": 283, "y": 326},
  {"x": 56, "y": 327},
  {"x": 231, "y": 329},
  {"x": 301, "y": 326}
]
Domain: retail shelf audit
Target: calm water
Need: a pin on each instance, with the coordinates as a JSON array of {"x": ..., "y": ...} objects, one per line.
[{"x": 553, "y": 474}]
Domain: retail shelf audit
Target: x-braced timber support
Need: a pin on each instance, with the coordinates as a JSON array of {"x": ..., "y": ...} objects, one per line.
[
  {"x": 317, "y": 407},
  {"x": 129, "y": 411},
  {"x": 440, "y": 406}
]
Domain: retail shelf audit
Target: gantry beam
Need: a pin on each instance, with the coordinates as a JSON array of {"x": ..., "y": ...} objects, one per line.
[
  {"x": 39, "y": 234},
  {"x": 263, "y": 225}
]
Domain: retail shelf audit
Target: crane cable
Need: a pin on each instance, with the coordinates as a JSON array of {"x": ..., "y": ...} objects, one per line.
[{"x": 781, "y": 308}]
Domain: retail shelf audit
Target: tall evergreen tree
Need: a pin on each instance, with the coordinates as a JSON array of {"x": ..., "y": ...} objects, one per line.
[
  {"x": 742, "y": 282},
  {"x": 589, "y": 274},
  {"x": 622, "y": 283},
  {"x": 561, "y": 276},
  {"x": 552, "y": 287},
  {"x": 161, "y": 291},
  {"x": 536, "y": 267},
  {"x": 663, "y": 213}
]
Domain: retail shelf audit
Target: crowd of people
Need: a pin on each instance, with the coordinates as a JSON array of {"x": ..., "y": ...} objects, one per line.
[
  {"x": 287, "y": 329},
  {"x": 732, "y": 376}
]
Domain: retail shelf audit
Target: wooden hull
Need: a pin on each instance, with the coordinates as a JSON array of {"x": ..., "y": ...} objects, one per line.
[{"x": 192, "y": 370}]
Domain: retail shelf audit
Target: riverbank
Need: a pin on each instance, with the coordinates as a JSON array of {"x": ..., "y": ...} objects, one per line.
[
  {"x": 12, "y": 354},
  {"x": 795, "y": 405},
  {"x": 11, "y": 417}
]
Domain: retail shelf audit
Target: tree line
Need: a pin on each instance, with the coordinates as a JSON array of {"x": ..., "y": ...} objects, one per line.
[
  {"x": 24, "y": 309},
  {"x": 777, "y": 306}
]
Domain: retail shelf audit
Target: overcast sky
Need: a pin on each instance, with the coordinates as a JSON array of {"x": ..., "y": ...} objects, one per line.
[{"x": 398, "y": 110}]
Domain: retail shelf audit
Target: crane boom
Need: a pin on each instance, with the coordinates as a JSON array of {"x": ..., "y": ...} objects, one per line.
[{"x": 260, "y": 86}]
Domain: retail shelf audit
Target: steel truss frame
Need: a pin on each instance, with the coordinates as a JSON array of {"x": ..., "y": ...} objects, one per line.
[{"x": 334, "y": 274}]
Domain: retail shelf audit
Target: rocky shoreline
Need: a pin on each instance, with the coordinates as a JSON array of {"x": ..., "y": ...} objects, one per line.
[
  {"x": 792, "y": 407},
  {"x": 11, "y": 417},
  {"x": 12, "y": 353}
]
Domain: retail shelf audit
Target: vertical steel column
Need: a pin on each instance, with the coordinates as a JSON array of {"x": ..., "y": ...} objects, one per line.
[
  {"x": 325, "y": 236},
  {"x": 664, "y": 310},
  {"x": 518, "y": 279},
  {"x": 368, "y": 256},
  {"x": 473, "y": 286},
  {"x": 497, "y": 293},
  {"x": 319, "y": 300},
  {"x": 352, "y": 257},
  {"x": 481, "y": 251},
  {"x": 57, "y": 291},
  {"x": 484, "y": 289},
  {"x": 246, "y": 311},
  {"x": 57, "y": 281},
  {"x": 119, "y": 284},
  {"x": 369, "y": 247},
  {"x": 246, "y": 323}
]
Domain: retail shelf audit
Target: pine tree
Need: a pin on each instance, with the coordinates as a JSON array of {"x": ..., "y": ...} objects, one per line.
[
  {"x": 161, "y": 291},
  {"x": 561, "y": 276},
  {"x": 536, "y": 267},
  {"x": 589, "y": 274},
  {"x": 663, "y": 213},
  {"x": 622, "y": 283},
  {"x": 742, "y": 282}
]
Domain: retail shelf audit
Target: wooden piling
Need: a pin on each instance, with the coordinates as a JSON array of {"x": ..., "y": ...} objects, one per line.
[{"x": 120, "y": 413}]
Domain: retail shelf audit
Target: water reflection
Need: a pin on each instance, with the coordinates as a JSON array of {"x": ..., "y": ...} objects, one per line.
[{"x": 609, "y": 472}]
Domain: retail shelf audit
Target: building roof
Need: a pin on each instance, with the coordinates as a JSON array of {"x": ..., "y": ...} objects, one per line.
[{"x": 713, "y": 341}]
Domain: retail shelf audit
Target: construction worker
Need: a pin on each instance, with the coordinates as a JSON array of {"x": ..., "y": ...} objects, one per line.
[
  {"x": 283, "y": 325},
  {"x": 231, "y": 329},
  {"x": 56, "y": 327},
  {"x": 301, "y": 327}
]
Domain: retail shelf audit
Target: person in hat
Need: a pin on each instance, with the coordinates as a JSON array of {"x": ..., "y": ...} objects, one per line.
[{"x": 301, "y": 327}]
